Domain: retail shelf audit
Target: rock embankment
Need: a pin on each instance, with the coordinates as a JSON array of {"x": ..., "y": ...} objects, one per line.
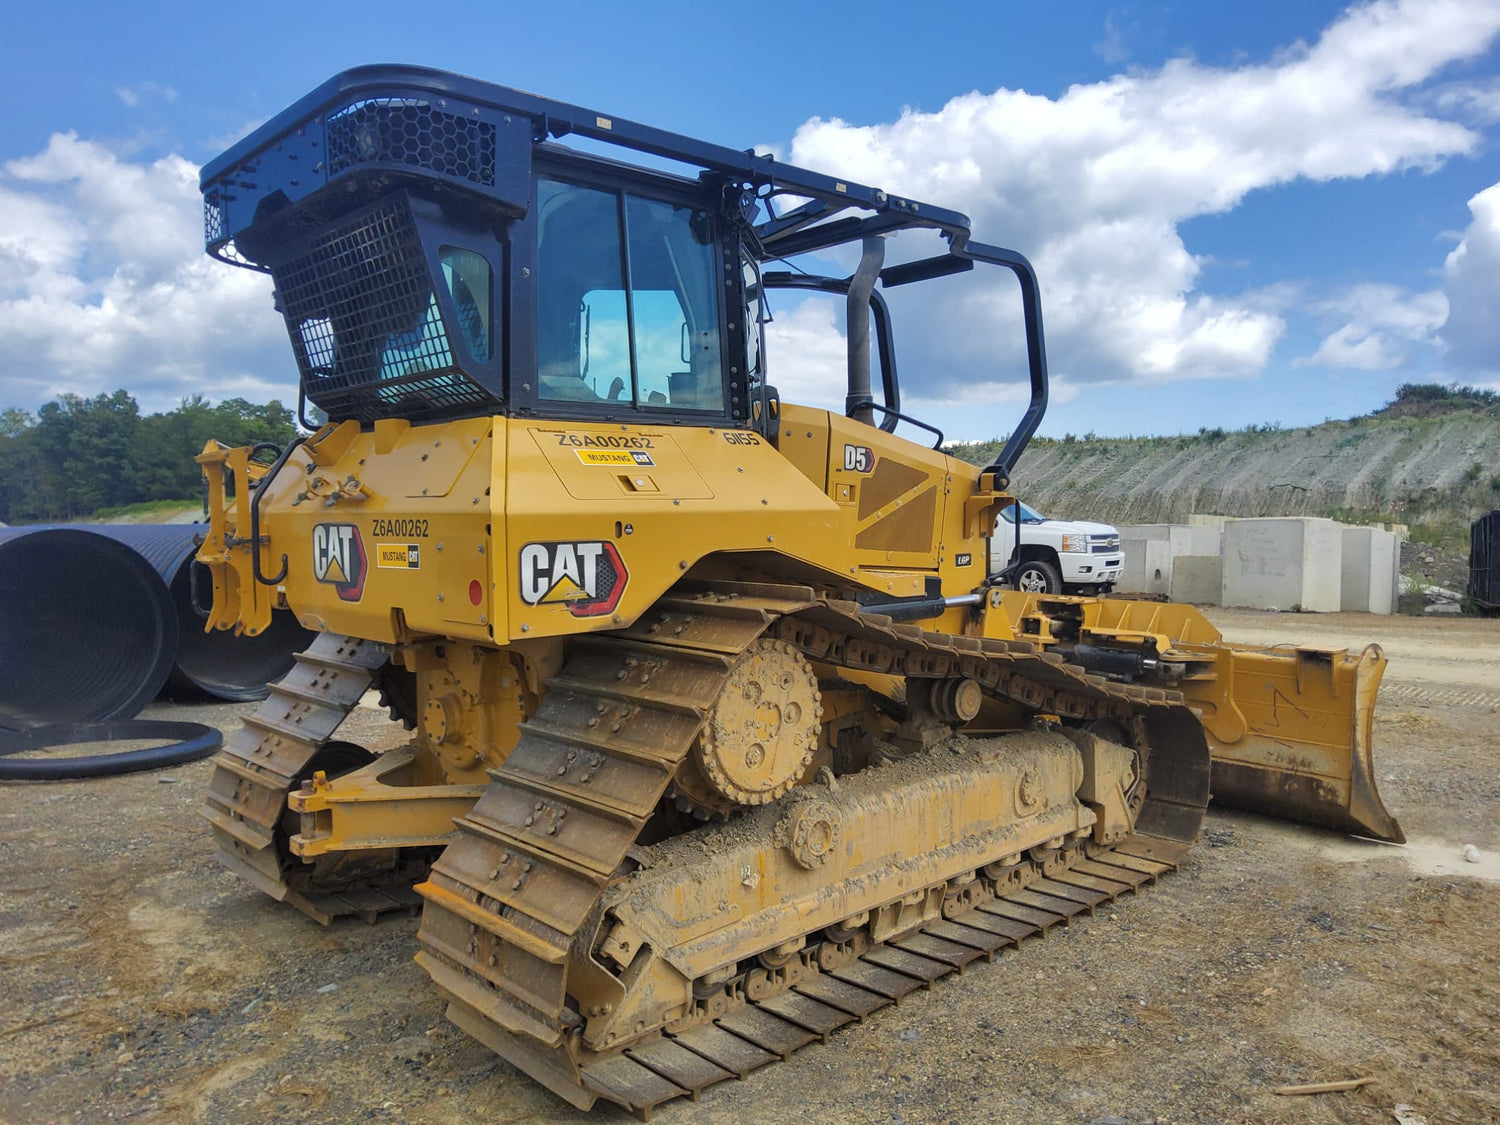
[{"x": 1435, "y": 473}]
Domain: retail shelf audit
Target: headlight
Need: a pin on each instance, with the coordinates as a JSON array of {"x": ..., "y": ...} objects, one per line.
[{"x": 1075, "y": 544}]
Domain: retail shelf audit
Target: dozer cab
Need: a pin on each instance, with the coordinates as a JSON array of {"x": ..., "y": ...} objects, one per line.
[{"x": 724, "y": 735}]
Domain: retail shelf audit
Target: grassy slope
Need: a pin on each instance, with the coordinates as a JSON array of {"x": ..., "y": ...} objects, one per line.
[
  {"x": 150, "y": 511},
  {"x": 1434, "y": 466}
]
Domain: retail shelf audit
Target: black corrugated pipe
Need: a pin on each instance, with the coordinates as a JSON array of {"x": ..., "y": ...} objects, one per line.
[
  {"x": 70, "y": 598},
  {"x": 87, "y": 628},
  {"x": 858, "y": 403},
  {"x": 219, "y": 664}
]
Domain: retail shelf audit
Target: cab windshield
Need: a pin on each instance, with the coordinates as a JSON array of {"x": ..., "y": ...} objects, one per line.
[{"x": 1028, "y": 514}]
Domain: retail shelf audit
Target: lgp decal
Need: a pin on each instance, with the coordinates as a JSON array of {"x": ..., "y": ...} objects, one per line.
[
  {"x": 859, "y": 459},
  {"x": 587, "y": 578},
  {"x": 339, "y": 559},
  {"x": 965, "y": 559}
]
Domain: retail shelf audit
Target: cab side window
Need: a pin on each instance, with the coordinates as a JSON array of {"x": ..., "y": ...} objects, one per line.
[{"x": 628, "y": 308}]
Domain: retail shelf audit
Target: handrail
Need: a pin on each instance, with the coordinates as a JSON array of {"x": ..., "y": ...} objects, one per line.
[
  {"x": 885, "y": 342},
  {"x": 259, "y": 491},
  {"x": 931, "y": 429}
]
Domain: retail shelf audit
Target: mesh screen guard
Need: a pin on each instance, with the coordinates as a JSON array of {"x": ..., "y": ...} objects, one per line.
[
  {"x": 374, "y": 324},
  {"x": 413, "y": 132}
]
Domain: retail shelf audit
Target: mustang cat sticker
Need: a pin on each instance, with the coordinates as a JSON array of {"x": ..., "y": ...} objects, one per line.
[
  {"x": 339, "y": 558},
  {"x": 398, "y": 556},
  {"x": 587, "y": 578},
  {"x": 628, "y": 458}
]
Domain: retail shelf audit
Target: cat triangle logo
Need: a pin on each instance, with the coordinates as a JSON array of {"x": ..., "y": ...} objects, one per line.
[
  {"x": 565, "y": 590},
  {"x": 587, "y": 577},
  {"x": 339, "y": 559}
]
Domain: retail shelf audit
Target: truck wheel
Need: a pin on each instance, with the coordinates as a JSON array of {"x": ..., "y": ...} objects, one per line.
[{"x": 1038, "y": 577}]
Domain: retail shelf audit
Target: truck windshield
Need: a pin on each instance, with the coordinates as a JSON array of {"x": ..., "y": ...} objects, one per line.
[{"x": 1028, "y": 514}]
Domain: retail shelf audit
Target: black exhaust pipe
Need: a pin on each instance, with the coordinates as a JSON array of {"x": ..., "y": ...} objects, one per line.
[{"x": 858, "y": 404}]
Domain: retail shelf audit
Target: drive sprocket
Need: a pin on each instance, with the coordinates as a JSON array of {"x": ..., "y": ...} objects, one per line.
[{"x": 763, "y": 729}]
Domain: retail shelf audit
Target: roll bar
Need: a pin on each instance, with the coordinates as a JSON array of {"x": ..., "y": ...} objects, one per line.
[{"x": 285, "y": 157}]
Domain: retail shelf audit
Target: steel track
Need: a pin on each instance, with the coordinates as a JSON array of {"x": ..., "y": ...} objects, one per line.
[
  {"x": 771, "y": 1029},
  {"x": 530, "y": 862},
  {"x": 261, "y": 762}
]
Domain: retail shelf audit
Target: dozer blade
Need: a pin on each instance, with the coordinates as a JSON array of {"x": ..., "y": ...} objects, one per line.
[
  {"x": 1290, "y": 733},
  {"x": 1289, "y": 728}
]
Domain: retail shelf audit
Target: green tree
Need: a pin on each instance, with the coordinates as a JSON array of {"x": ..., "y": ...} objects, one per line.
[{"x": 77, "y": 455}]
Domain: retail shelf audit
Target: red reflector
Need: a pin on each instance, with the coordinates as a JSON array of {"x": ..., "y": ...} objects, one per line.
[{"x": 476, "y": 592}]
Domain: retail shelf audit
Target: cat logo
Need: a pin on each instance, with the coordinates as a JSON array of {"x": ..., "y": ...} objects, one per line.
[
  {"x": 339, "y": 559},
  {"x": 587, "y": 578}
]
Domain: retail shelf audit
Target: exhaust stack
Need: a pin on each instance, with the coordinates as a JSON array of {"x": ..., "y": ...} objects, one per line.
[{"x": 858, "y": 403}]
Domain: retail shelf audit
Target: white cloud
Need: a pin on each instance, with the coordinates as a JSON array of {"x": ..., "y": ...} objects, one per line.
[
  {"x": 806, "y": 359},
  {"x": 1095, "y": 184},
  {"x": 103, "y": 281},
  {"x": 133, "y": 96},
  {"x": 104, "y": 284},
  {"x": 1480, "y": 101},
  {"x": 1112, "y": 48},
  {"x": 1380, "y": 323},
  {"x": 1471, "y": 280}
]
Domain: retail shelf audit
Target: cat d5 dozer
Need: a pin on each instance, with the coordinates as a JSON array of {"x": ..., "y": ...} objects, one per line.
[{"x": 724, "y": 734}]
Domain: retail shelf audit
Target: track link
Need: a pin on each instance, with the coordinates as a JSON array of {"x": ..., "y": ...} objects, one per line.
[
  {"x": 531, "y": 859},
  {"x": 261, "y": 762},
  {"x": 683, "y": 1064},
  {"x": 529, "y": 864}
]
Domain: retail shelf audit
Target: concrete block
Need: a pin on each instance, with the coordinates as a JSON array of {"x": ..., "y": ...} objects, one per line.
[
  {"x": 1196, "y": 539},
  {"x": 1186, "y": 539},
  {"x": 1145, "y": 530},
  {"x": 1198, "y": 579},
  {"x": 1370, "y": 570},
  {"x": 1148, "y": 566},
  {"x": 1286, "y": 564}
]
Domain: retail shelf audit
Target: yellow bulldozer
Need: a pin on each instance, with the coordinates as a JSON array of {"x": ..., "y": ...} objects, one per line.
[{"x": 726, "y": 730}]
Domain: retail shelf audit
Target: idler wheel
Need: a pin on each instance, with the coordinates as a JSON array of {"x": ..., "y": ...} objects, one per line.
[{"x": 763, "y": 729}]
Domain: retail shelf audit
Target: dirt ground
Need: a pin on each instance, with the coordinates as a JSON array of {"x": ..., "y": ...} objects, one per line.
[{"x": 142, "y": 982}]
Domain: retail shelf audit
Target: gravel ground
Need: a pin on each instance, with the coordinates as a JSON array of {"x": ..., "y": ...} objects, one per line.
[{"x": 142, "y": 982}]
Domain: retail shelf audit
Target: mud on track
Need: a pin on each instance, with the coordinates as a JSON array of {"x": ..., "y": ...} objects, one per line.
[{"x": 141, "y": 982}]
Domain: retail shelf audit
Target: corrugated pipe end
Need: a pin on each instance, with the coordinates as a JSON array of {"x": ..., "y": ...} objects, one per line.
[
  {"x": 87, "y": 628},
  {"x": 220, "y": 664}
]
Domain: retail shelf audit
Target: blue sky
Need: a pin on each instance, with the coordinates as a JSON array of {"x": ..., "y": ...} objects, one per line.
[{"x": 1240, "y": 213}]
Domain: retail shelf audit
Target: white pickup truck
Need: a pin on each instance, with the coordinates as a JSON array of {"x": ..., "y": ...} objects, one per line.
[{"x": 1058, "y": 556}]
